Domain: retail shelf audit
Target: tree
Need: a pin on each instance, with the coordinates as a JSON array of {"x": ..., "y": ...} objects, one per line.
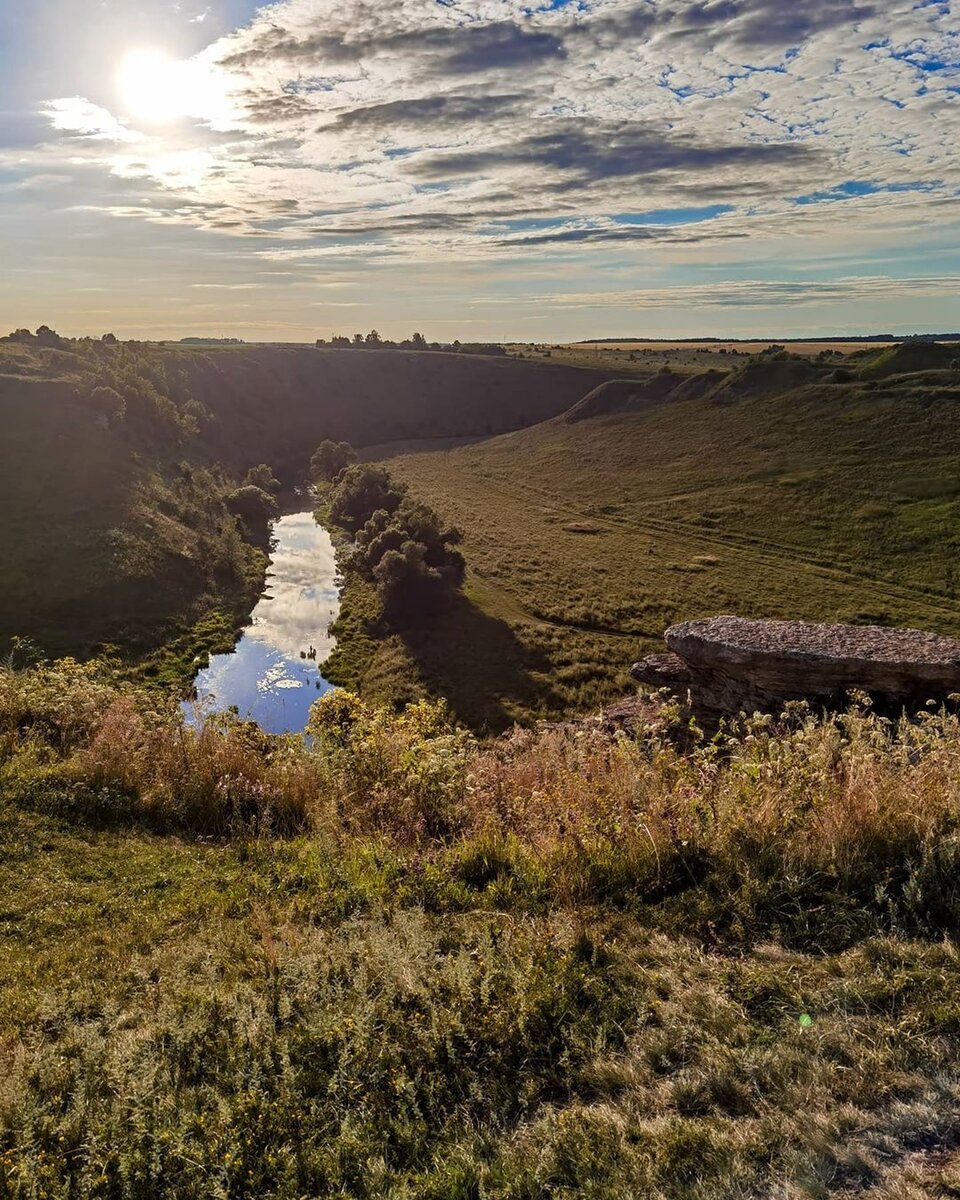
[
  {"x": 359, "y": 492},
  {"x": 108, "y": 402},
  {"x": 253, "y": 506},
  {"x": 262, "y": 477},
  {"x": 419, "y": 341},
  {"x": 330, "y": 458},
  {"x": 358, "y": 339},
  {"x": 48, "y": 336},
  {"x": 373, "y": 338},
  {"x": 410, "y": 557}
]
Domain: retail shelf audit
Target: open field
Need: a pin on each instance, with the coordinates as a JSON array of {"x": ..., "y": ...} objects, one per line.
[
  {"x": 782, "y": 493},
  {"x": 639, "y": 358},
  {"x": 807, "y": 348}
]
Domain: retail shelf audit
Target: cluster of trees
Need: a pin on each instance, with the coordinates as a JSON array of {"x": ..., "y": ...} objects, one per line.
[
  {"x": 126, "y": 382},
  {"x": 400, "y": 545},
  {"x": 373, "y": 341},
  {"x": 45, "y": 336},
  {"x": 254, "y": 502},
  {"x": 329, "y": 459}
]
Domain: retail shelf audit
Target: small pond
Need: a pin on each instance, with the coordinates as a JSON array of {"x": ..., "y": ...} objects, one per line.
[{"x": 266, "y": 677}]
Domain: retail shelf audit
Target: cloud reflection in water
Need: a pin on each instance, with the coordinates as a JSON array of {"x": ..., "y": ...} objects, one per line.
[{"x": 265, "y": 677}]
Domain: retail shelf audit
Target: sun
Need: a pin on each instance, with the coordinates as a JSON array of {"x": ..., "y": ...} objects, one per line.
[
  {"x": 157, "y": 88},
  {"x": 148, "y": 82}
]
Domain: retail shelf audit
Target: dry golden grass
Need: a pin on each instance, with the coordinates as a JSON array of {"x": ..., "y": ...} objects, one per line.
[{"x": 550, "y": 965}]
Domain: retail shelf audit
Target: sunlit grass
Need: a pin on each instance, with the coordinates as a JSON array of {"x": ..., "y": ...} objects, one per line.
[{"x": 402, "y": 962}]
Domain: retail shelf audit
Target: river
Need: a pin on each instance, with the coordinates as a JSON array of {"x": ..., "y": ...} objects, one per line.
[{"x": 274, "y": 673}]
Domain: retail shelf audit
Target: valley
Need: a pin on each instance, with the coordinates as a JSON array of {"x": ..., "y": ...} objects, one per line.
[
  {"x": 594, "y": 513},
  {"x": 384, "y": 909},
  {"x": 479, "y": 600}
]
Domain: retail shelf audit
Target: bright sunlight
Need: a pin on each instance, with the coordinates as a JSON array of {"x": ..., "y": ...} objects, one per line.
[{"x": 157, "y": 88}]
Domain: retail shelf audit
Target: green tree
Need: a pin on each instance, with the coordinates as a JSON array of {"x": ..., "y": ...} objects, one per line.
[
  {"x": 263, "y": 477},
  {"x": 108, "y": 402},
  {"x": 253, "y": 506},
  {"x": 330, "y": 458},
  {"x": 410, "y": 556},
  {"x": 359, "y": 492}
]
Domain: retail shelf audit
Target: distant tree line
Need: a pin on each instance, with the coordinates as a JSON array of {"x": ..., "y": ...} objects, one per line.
[
  {"x": 212, "y": 341},
  {"x": 373, "y": 341},
  {"x": 45, "y": 336},
  {"x": 400, "y": 544}
]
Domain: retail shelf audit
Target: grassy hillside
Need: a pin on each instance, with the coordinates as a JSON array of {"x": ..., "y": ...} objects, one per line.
[
  {"x": 784, "y": 489},
  {"x": 281, "y": 402},
  {"x": 401, "y": 964},
  {"x": 113, "y": 528},
  {"x": 112, "y": 520}
]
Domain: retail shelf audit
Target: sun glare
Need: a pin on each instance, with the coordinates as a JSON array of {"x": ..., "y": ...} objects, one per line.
[
  {"x": 156, "y": 88},
  {"x": 149, "y": 88}
]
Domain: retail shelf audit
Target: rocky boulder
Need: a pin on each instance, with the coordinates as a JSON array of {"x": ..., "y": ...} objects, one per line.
[{"x": 732, "y": 664}]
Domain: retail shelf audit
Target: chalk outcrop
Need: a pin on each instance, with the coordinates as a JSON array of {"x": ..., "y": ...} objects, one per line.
[{"x": 731, "y": 664}]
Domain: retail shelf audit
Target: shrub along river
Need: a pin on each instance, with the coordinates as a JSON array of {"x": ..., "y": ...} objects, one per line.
[{"x": 274, "y": 672}]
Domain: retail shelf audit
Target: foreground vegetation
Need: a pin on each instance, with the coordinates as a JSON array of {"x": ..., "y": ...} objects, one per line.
[{"x": 401, "y": 962}]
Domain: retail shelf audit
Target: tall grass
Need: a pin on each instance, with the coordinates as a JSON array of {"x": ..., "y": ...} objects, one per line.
[
  {"x": 422, "y": 966},
  {"x": 812, "y": 824}
]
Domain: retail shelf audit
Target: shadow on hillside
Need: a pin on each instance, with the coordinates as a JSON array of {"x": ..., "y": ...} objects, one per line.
[{"x": 476, "y": 662}]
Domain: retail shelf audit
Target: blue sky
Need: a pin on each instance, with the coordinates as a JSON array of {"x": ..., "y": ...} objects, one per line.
[{"x": 480, "y": 168}]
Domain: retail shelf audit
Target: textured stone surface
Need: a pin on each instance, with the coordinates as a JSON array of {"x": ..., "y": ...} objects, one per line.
[
  {"x": 731, "y": 664},
  {"x": 662, "y": 670}
]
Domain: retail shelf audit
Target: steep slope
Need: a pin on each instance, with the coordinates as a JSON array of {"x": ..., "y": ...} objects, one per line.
[{"x": 280, "y": 402}]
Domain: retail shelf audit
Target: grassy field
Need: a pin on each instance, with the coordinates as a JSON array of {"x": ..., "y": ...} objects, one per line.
[
  {"x": 640, "y": 357},
  {"x": 785, "y": 489},
  {"x": 807, "y": 349},
  {"x": 401, "y": 964}
]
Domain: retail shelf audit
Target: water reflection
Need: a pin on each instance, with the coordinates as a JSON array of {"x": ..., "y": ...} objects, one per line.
[{"x": 265, "y": 677}]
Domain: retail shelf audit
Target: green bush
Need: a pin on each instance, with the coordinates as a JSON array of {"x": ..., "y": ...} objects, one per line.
[
  {"x": 359, "y": 492},
  {"x": 330, "y": 458}
]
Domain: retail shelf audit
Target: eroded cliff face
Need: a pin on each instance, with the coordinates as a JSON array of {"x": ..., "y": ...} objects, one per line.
[{"x": 731, "y": 664}]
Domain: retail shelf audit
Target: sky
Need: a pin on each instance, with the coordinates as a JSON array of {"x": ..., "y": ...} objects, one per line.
[{"x": 479, "y": 169}]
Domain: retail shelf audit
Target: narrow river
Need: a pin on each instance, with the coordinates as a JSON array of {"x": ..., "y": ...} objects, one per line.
[{"x": 274, "y": 673}]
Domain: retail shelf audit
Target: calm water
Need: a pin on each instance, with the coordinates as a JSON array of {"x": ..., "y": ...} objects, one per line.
[{"x": 265, "y": 677}]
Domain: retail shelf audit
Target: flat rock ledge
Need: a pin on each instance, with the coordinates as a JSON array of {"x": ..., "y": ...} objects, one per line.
[{"x": 726, "y": 665}]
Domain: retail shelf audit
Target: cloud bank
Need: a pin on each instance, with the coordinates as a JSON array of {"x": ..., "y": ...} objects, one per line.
[{"x": 483, "y": 131}]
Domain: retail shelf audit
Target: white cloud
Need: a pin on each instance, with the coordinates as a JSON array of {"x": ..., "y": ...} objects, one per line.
[
  {"x": 760, "y": 293},
  {"x": 77, "y": 116},
  {"x": 648, "y": 131}
]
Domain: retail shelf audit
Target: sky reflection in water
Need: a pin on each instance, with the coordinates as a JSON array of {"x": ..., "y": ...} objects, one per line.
[{"x": 264, "y": 677}]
